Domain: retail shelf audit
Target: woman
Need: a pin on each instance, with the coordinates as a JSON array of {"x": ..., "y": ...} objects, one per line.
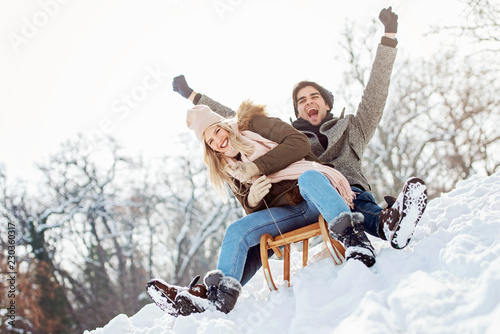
[{"x": 271, "y": 170}]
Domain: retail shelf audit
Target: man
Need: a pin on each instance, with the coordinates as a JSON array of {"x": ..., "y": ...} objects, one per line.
[{"x": 341, "y": 141}]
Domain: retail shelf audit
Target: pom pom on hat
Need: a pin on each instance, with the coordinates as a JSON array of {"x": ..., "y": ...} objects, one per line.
[{"x": 201, "y": 117}]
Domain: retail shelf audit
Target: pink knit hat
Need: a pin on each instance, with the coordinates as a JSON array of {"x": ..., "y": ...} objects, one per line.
[{"x": 200, "y": 118}]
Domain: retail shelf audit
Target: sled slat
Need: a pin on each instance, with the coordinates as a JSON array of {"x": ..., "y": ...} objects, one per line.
[{"x": 335, "y": 248}]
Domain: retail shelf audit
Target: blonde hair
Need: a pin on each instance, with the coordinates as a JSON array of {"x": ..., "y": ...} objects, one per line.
[{"x": 217, "y": 165}]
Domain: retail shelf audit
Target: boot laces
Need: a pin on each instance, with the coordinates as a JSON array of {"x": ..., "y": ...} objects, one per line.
[
  {"x": 355, "y": 237},
  {"x": 212, "y": 293}
]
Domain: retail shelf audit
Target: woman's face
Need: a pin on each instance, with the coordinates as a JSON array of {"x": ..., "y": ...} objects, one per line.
[{"x": 217, "y": 138}]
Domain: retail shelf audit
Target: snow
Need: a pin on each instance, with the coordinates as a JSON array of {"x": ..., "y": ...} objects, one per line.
[{"x": 446, "y": 281}]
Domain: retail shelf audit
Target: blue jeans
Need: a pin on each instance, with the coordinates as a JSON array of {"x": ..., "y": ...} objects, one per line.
[
  {"x": 365, "y": 204},
  {"x": 240, "y": 254}
]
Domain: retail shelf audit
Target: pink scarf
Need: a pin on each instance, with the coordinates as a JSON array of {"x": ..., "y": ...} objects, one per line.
[{"x": 292, "y": 172}]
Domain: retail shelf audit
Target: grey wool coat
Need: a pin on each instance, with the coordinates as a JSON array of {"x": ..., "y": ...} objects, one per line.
[{"x": 348, "y": 135}]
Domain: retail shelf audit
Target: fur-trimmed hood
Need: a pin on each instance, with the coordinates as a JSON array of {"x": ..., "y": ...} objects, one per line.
[{"x": 247, "y": 111}]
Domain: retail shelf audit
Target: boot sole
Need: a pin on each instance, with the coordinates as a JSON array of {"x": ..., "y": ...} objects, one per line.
[
  {"x": 414, "y": 204},
  {"x": 363, "y": 254},
  {"x": 161, "y": 300}
]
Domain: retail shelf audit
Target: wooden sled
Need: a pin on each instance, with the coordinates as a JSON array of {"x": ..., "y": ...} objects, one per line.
[{"x": 335, "y": 248}]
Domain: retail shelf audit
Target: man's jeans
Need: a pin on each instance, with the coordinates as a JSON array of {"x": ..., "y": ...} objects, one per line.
[
  {"x": 365, "y": 204},
  {"x": 240, "y": 254}
]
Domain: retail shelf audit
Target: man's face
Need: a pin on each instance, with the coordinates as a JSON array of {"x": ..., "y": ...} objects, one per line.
[{"x": 311, "y": 105}]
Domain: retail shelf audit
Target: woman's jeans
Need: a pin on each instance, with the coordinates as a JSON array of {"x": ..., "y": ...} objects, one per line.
[{"x": 240, "y": 252}]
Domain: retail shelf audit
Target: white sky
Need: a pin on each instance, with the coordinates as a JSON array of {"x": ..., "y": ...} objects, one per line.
[{"x": 67, "y": 66}]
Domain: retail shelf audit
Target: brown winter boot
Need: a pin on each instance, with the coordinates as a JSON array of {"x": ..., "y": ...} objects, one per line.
[
  {"x": 222, "y": 293},
  {"x": 164, "y": 294}
]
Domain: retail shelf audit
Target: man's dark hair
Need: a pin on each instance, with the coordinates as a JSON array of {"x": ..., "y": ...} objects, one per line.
[{"x": 325, "y": 94}]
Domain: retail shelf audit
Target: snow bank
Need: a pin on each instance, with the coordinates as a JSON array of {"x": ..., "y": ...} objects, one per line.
[{"x": 446, "y": 281}]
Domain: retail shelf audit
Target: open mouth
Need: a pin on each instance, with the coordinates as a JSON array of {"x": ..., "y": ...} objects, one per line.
[
  {"x": 224, "y": 143},
  {"x": 312, "y": 113}
]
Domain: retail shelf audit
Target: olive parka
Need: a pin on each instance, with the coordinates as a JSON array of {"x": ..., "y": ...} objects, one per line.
[{"x": 292, "y": 146}]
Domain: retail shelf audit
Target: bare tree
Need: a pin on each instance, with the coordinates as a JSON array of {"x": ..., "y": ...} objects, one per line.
[
  {"x": 102, "y": 224},
  {"x": 438, "y": 119},
  {"x": 192, "y": 217},
  {"x": 480, "y": 22},
  {"x": 73, "y": 230},
  {"x": 49, "y": 308}
]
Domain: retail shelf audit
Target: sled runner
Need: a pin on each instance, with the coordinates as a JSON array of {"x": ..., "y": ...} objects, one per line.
[{"x": 267, "y": 242}]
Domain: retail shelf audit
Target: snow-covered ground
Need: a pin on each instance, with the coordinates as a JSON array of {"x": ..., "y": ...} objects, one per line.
[{"x": 446, "y": 281}]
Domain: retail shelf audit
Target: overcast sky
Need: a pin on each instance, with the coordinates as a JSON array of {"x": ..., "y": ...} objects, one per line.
[{"x": 106, "y": 66}]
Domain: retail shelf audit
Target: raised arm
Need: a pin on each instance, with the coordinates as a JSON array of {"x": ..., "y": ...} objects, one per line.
[
  {"x": 375, "y": 94},
  {"x": 180, "y": 85}
]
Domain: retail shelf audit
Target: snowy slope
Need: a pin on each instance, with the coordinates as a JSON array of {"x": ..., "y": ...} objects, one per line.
[{"x": 446, "y": 281}]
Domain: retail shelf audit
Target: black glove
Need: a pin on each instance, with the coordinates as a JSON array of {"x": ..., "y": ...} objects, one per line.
[
  {"x": 180, "y": 86},
  {"x": 389, "y": 19}
]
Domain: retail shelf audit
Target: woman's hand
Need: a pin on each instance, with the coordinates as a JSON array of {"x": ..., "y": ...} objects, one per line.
[
  {"x": 245, "y": 171},
  {"x": 259, "y": 189},
  {"x": 180, "y": 85}
]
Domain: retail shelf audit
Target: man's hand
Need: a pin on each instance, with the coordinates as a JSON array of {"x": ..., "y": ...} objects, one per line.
[
  {"x": 389, "y": 19},
  {"x": 245, "y": 171},
  {"x": 259, "y": 189},
  {"x": 180, "y": 86}
]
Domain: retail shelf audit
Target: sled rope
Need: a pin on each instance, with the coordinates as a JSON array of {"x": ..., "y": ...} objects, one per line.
[
  {"x": 274, "y": 220},
  {"x": 282, "y": 236}
]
